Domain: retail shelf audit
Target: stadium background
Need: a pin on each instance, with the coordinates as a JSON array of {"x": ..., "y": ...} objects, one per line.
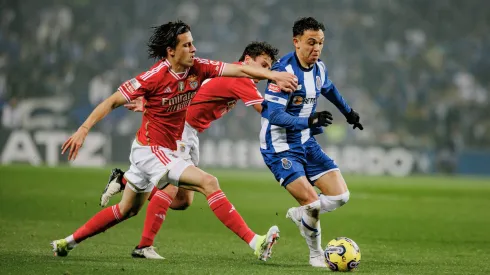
[{"x": 417, "y": 71}]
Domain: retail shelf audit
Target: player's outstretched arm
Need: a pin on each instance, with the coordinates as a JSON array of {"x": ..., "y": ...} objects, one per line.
[
  {"x": 278, "y": 116},
  {"x": 277, "y": 102},
  {"x": 75, "y": 142},
  {"x": 333, "y": 95},
  {"x": 286, "y": 81}
]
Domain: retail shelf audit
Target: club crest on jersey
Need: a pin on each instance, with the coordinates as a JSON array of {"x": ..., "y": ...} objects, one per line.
[
  {"x": 318, "y": 82},
  {"x": 182, "y": 147},
  {"x": 193, "y": 81},
  {"x": 274, "y": 88},
  {"x": 286, "y": 163},
  {"x": 181, "y": 86}
]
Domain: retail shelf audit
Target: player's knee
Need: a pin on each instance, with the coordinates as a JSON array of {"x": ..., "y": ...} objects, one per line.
[
  {"x": 344, "y": 198},
  {"x": 128, "y": 212},
  {"x": 330, "y": 203},
  {"x": 209, "y": 184}
]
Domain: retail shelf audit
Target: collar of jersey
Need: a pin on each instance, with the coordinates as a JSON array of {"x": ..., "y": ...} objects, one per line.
[
  {"x": 301, "y": 67},
  {"x": 174, "y": 74}
]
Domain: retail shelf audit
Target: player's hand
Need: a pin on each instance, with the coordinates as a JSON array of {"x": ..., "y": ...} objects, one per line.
[
  {"x": 318, "y": 119},
  {"x": 75, "y": 142},
  {"x": 353, "y": 118},
  {"x": 135, "y": 105},
  {"x": 286, "y": 81}
]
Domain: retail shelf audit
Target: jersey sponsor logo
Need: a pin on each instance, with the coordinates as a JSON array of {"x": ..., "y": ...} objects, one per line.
[
  {"x": 178, "y": 102},
  {"x": 286, "y": 163},
  {"x": 181, "y": 86},
  {"x": 297, "y": 100},
  {"x": 309, "y": 100},
  {"x": 318, "y": 82},
  {"x": 274, "y": 88}
]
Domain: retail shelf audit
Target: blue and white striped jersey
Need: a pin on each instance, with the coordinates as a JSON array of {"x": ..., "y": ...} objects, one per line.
[{"x": 285, "y": 115}]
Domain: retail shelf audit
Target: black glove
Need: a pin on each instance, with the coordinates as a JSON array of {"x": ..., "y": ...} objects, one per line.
[
  {"x": 353, "y": 119},
  {"x": 319, "y": 119}
]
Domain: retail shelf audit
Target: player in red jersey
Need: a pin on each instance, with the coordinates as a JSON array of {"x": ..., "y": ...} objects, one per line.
[
  {"x": 168, "y": 88},
  {"x": 214, "y": 99}
]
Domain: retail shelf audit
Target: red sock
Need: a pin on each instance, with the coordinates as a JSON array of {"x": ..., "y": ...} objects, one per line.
[
  {"x": 102, "y": 221},
  {"x": 153, "y": 191},
  {"x": 227, "y": 214},
  {"x": 155, "y": 215}
]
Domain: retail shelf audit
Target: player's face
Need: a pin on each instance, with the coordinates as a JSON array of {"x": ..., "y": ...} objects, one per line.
[
  {"x": 309, "y": 46},
  {"x": 262, "y": 60},
  {"x": 185, "y": 50}
]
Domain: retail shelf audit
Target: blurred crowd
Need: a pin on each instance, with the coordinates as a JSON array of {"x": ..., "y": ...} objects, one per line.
[{"x": 416, "y": 71}]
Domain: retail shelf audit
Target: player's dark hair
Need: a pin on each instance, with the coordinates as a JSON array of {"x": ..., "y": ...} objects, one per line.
[
  {"x": 256, "y": 48},
  {"x": 306, "y": 23},
  {"x": 165, "y": 36}
]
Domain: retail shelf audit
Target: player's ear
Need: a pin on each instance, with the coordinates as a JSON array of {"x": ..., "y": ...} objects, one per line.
[
  {"x": 247, "y": 59},
  {"x": 296, "y": 42},
  {"x": 170, "y": 51}
]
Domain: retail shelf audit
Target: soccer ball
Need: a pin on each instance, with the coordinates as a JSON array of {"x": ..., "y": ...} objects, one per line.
[{"x": 342, "y": 254}]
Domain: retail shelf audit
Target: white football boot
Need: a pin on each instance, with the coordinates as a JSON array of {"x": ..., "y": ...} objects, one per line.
[
  {"x": 317, "y": 259},
  {"x": 147, "y": 253}
]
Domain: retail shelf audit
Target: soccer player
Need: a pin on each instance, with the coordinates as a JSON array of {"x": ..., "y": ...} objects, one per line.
[
  {"x": 168, "y": 88},
  {"x": 287, "y": 142},
  {"x": 215, "y": 98}
]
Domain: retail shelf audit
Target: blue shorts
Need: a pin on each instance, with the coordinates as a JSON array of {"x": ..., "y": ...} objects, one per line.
[{"x": 309, "y": 161}]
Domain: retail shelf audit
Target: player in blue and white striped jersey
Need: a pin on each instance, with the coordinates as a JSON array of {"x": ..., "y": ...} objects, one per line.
[{"x": 287, "y": 142}]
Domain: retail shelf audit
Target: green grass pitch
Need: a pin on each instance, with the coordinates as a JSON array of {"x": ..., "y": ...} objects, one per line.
[{"x": 415, "y": 225}]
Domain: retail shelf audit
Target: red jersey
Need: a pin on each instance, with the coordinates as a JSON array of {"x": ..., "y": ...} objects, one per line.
[
  {"x": 217, "y": 97},
  {"x": 167, "y": 96}
]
